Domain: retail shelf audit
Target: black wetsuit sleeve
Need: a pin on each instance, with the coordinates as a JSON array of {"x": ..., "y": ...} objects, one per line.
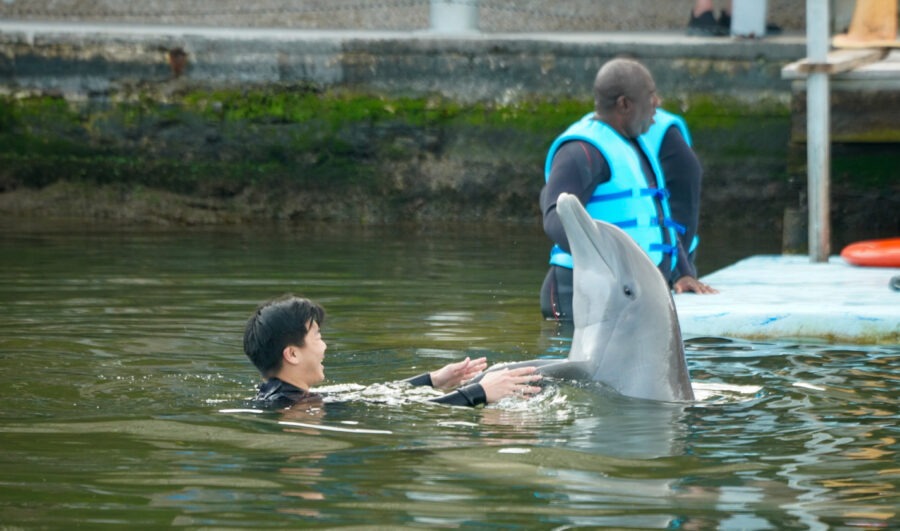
[
  {"x": 470, "y": 395},
  {"x": 577, "y": 168},
  {"x": 420, "y": 380},
  {"x": 684, "y": 267},
  {"x": 683, "y": 174}
]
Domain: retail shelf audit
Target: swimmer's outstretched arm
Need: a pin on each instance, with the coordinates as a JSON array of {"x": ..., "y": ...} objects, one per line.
[
  {"x": 495, "y": 386},
  {"x": 451, "y": 375},
  {"x": 492, "y": 387}
]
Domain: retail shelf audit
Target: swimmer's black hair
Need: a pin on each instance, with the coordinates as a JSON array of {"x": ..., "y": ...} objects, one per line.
[{"x": 276, "y": 324}]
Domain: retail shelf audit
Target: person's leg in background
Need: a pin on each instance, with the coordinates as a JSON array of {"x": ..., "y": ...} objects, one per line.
[{"x": 703, "y": 21}]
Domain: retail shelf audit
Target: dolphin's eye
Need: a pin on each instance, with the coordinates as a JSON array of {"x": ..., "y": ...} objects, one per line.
[{"x": 628, "y": 292}]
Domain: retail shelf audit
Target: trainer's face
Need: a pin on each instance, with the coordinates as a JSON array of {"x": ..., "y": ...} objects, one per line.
[{"x": 644, "y": 105}]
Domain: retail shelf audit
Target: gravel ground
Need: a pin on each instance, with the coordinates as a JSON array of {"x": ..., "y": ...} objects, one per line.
[{"x": 494, "y": 15}]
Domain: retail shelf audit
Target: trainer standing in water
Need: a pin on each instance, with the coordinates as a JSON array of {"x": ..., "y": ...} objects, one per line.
[{"x": 602, "y": 160}]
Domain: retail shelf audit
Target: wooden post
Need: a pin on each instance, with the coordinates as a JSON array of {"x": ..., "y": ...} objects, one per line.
[
  {"x": 818, "y": 140},
  {"x": 874, "y": 24}
]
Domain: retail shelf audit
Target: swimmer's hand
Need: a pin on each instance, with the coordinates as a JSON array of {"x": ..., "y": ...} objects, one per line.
[
  {"x": 502, "y": 383},
  {"x": 450, "y": 376}
]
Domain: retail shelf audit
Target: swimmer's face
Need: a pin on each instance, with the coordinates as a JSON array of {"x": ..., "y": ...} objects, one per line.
[{"x": 311, "y": 356}]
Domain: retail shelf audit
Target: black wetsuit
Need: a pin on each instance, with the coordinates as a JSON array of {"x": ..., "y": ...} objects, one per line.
[
  {"x": 684, "y": 176},
  {"x": 578, "y": 168},
  {"x": 278, "y": 394}
]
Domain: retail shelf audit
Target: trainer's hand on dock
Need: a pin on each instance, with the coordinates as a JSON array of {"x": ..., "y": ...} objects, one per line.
[
  {"x": 453, "y": 374},
  {"x": 691, "y": 284},
  {"x": 502, "y": 383}
]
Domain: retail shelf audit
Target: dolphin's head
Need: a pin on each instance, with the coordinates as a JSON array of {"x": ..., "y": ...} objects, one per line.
[{"x": 626, "y": 327}]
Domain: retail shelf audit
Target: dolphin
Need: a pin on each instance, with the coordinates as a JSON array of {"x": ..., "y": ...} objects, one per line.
[{"x": 627, "y": 334}]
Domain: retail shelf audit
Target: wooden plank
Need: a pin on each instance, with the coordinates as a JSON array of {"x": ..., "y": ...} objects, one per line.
[
  {"x": 845, "y": 41},
  {"x": 836, "y": 62}
]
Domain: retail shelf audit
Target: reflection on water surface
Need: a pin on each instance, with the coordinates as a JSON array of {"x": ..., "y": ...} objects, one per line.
[{"x": 120, "y": 349}]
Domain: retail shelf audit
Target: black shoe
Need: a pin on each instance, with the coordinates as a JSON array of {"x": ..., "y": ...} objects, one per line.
[
  {"x": 725, "y": 22},
  {"x": 705, "y": 25}
]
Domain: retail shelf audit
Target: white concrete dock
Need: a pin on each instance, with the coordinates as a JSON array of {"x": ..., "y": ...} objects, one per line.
[{"x": 780, "y": 297}]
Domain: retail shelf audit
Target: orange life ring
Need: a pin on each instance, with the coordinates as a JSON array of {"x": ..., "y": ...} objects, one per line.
[{"x": 874, "y": 253}]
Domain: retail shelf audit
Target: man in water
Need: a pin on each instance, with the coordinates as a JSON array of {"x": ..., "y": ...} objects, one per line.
[
  {"x": 602, "y": 160},
  {"x": 283, "y": 340}
]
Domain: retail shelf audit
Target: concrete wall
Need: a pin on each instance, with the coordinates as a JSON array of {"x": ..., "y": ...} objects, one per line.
[{"x": 87, "y": 59}]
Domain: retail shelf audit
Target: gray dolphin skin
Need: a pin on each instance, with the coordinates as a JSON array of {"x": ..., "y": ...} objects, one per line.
[
  {"x": 627, "y": 334},
  {"x": 626, "y": 328}
]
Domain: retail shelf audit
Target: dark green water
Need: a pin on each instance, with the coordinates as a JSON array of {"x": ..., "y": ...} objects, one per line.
[{"x": 120, "y": 349}]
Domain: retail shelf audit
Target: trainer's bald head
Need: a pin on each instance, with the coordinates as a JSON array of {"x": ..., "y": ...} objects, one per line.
[
  {"x": 616, "y": 78},
  {"x": 625, "y": 97}
]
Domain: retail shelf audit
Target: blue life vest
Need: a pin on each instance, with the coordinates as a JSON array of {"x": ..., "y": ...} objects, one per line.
[
  {"x": 625, "y": 200},
  {"x": 653, "y": 139},
  {"x": 662, "y": 121}
]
